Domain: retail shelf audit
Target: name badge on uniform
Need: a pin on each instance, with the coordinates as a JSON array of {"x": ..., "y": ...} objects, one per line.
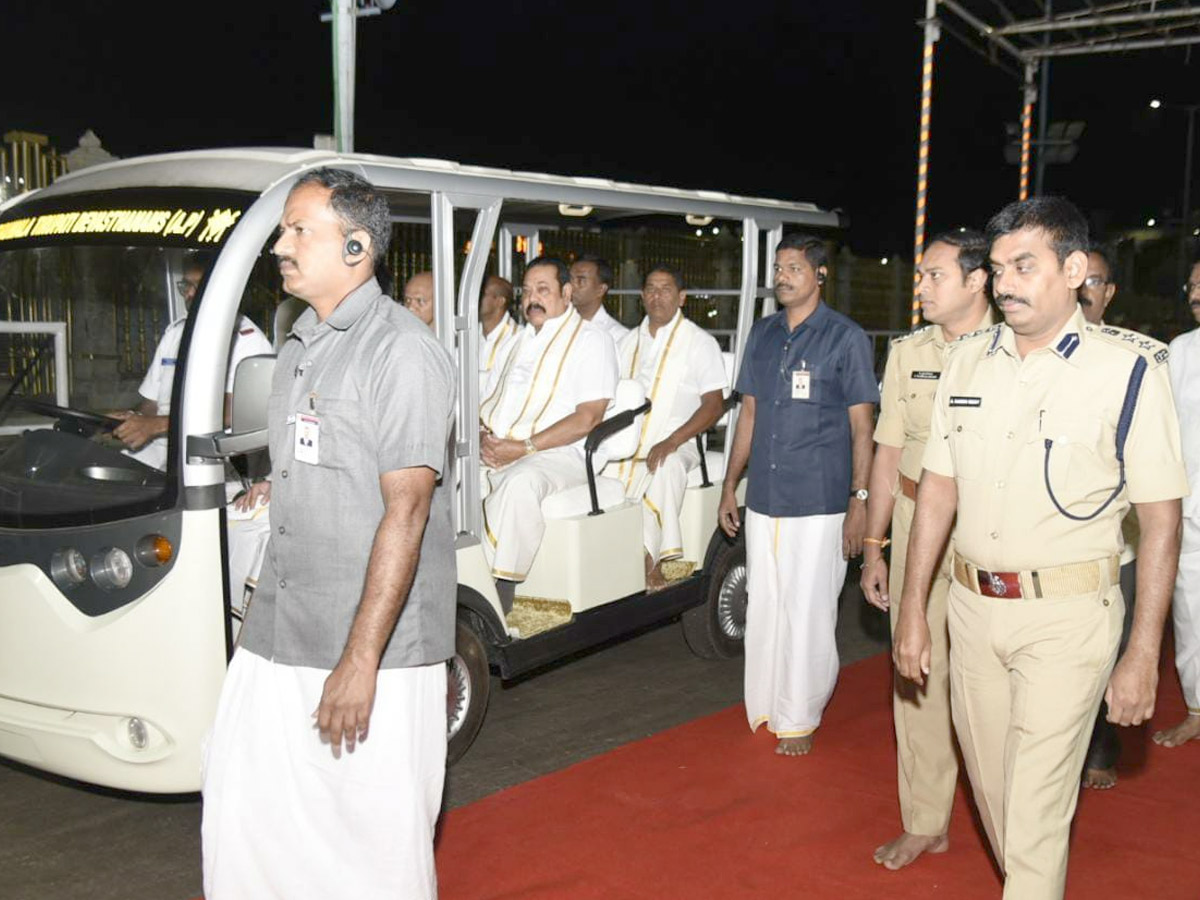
[
  {"x": 308, "y": 439},
  {"x": 801, "y": 384}
]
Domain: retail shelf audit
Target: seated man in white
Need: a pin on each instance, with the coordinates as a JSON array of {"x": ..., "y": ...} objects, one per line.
[
  {"x": 498, "y": 330},
  {"x": 680, "y": 365},
  {"x": 144, "y": 430},
  {"x": 537, "y": 410}
]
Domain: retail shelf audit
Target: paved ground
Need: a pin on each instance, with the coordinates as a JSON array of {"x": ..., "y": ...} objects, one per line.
[{"x": 61, "y": 841}]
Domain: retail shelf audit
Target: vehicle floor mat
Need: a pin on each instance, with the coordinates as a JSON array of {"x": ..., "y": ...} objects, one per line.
[{"x": 533, "y": 615}]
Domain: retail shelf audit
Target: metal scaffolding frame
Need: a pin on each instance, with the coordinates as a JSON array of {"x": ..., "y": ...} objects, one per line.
[{"x": 1027, "y": 35}]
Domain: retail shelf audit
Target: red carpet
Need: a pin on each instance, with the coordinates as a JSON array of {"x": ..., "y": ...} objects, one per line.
[{"x": 707, "y": 810}]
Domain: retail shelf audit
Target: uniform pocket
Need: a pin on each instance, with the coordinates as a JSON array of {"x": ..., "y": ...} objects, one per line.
[
  {"x": 1079, "y": 468},
  {"x": 967, "y": 447}
]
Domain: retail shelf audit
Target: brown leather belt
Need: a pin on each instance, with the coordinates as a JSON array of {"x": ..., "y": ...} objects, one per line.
[
  {"x": 1056, "y": 581},
  {"x": 908, "y": 487}
]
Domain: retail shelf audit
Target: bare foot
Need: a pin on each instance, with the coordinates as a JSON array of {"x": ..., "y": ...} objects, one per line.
[
  {"x": 654, "y": 576},
  {"x": 905, "y": 849},
  {"x": 1100, "y": 779},
  {"x": 1187, "y": 730},
  {"x": 794, "y": 746}
]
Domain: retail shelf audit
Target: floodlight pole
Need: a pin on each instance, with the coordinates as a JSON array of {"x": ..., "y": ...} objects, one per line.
[
  {"x": 345, "y": 31},
  {"x": 1185, "y": 233},
  {"x": 1043, "y": 101},
  {"x": 932, "y": 34}
]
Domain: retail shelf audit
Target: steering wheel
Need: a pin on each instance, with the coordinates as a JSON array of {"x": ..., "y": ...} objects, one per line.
[{"x": 77, "y": 421}]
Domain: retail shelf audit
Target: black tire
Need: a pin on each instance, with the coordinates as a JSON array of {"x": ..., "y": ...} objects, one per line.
[
  {"x": 716, "y": 628},
  {"x": 468, "y": 685}
]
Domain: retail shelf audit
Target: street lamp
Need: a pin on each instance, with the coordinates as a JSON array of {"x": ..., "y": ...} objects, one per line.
[
  {"x": 344, "y": 15},
  {"x": 1188, "y": 153}
]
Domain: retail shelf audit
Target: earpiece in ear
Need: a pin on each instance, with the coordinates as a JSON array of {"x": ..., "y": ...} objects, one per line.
[
  {"x": 820, "y": 278},
  {"x": 353, "y": 247}
]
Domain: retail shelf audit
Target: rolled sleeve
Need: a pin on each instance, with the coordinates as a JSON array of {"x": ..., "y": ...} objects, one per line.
[
  {"x": 889, "y": 431},
  {"x": 858, "y": 375},
  {"x": 411, "y": 401},
  {"x": 1154, "y": 468},
  {"x": 745, "y": 379}
]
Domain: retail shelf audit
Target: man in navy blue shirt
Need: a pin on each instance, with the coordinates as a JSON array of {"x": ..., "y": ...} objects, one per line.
[{"x": 808, "y": 391}]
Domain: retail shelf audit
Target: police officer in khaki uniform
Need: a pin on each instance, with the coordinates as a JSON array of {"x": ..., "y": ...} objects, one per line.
[
  {"x": 1044, "y": 429},
  {"x": 953, "y": 292}
]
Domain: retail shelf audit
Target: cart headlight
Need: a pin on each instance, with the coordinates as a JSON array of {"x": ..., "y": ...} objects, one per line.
[
  {"x": 68, "y": 568},
  {"x": 112, "y": 569}
]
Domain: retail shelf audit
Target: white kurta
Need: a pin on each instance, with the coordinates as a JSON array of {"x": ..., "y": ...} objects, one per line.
[
  {"x": 284, "y": 818},
  {"x": 1184, "y": 366},
  {"x": 547, "y": 375},
  {"x": 494, "y": 348},
  {"x": 676, "y": 366},
  {"x": 795, "y": 571},
  {"x": 609, "y": 325}
]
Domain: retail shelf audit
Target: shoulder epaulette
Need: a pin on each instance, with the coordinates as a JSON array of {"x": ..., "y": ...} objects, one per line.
[
  {"x": 1154, "y": 351},
  {"x": 988, "y": 329},
  {"x": 901, "y": 338}
]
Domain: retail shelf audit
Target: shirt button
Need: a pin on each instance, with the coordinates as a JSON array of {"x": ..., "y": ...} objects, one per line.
[
  {"x": 959, "y": 428},
  {"x": 999, "y": 484},
  {"x": 1105, "y": 601},
  {"x": 284, "y": 473},
  {"x": 773, "y": 436},
  {"x": 281, "y": 529},
  {"x": 1010, "y": 435},
  {"x": 995, "y": 535},
  {"x": 282, "y": 583},
  {"x": 772, "y": 465},
  {"x": 776, "y": 402}
]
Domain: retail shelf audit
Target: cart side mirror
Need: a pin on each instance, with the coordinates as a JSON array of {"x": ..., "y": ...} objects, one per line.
[
  {"x": 251, "y": 390},
  {"x": 248, "y": 419}
]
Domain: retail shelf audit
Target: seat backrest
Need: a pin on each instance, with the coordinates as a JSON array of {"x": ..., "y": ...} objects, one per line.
[
  {"x": 630, "y": 395},
  {"x": 286, "y": 314}
]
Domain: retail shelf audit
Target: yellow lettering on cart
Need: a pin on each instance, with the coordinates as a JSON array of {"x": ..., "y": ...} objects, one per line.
[
  {"x": 165, "y": 222},
  {"x": 218, "y": 223}
]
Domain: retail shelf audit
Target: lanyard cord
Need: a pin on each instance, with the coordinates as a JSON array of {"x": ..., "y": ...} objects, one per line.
[{"x": 1123, "y": 423}]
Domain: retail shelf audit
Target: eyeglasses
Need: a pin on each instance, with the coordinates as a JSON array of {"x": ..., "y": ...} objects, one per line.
[
  {"x": 1191, "y": 287},
  {"x": 1095, "y": 281},
  {"x": 186, "y": 287}
]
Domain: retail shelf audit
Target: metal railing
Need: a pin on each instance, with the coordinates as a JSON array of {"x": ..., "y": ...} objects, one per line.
[{"x": 61, "y": 392}]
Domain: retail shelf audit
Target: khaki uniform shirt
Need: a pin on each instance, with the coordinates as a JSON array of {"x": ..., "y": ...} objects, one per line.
[
  {"x": 1003, "y": 427},
  {"x": 910, "y": 381}
]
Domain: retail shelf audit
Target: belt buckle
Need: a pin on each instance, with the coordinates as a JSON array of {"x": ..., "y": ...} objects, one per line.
[{"x": 996, "y": 585}]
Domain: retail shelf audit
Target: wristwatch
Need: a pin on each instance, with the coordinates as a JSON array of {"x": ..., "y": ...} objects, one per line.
[
  {"x": 529, "y": 447},
  {"x": 860, "y": 494}
]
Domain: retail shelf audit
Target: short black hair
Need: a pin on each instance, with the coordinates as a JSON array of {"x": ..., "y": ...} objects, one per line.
[
  {"x": 972, "y": 248},
  {"x": 1105, "y": 254},
  {"x": 604, "y": 272},
  {"x": 506, "y": 288},
  {"x": 810, "y": 245},
  {"x": 665, "y": 269},
  {"x": 1061, "y": 219},
  {"x": 198, "y": 260},
  {"x": 564, "y": 273},
  {"x": 358, "y": 203}
]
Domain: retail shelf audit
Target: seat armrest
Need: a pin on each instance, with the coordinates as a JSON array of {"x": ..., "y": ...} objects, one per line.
[{"x": 598, "y": 436}]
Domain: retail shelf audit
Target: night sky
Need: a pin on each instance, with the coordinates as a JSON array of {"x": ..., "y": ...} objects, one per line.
[{"x": 805, "y": 100}]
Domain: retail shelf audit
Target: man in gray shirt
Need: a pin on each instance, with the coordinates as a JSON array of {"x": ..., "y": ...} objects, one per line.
[{"x": 324, "y": 769}]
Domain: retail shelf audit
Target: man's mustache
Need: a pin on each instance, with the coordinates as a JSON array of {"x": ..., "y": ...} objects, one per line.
[
  {"x": 1085, "y": 301},
  {"x": 280, "y": 260},
  {"x": 532, "y": 306},
  {"x": 1011, "y": 298}
]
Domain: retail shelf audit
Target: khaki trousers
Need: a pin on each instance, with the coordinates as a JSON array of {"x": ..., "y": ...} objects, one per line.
[
  {"x": 1026, "y": 679},
  {"x": 927, "y": 766}
]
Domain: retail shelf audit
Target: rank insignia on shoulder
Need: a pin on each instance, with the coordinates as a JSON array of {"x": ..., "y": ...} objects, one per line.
[
  {"x": 1161, "y": 355},
  {"x": 901, "y": 338},
  {"x": 966, "y": 401}
]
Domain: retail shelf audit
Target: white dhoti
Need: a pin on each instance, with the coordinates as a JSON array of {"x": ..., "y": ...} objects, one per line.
[
  {"x": 284, "y": 819},
  {"x": 513, "y": 523},
  {"x": 1185, "y": 609},
  {"x": 662, "y": 492},
  {"x": 247, "y": 533},
  {"x": 795, "y": 572}
]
